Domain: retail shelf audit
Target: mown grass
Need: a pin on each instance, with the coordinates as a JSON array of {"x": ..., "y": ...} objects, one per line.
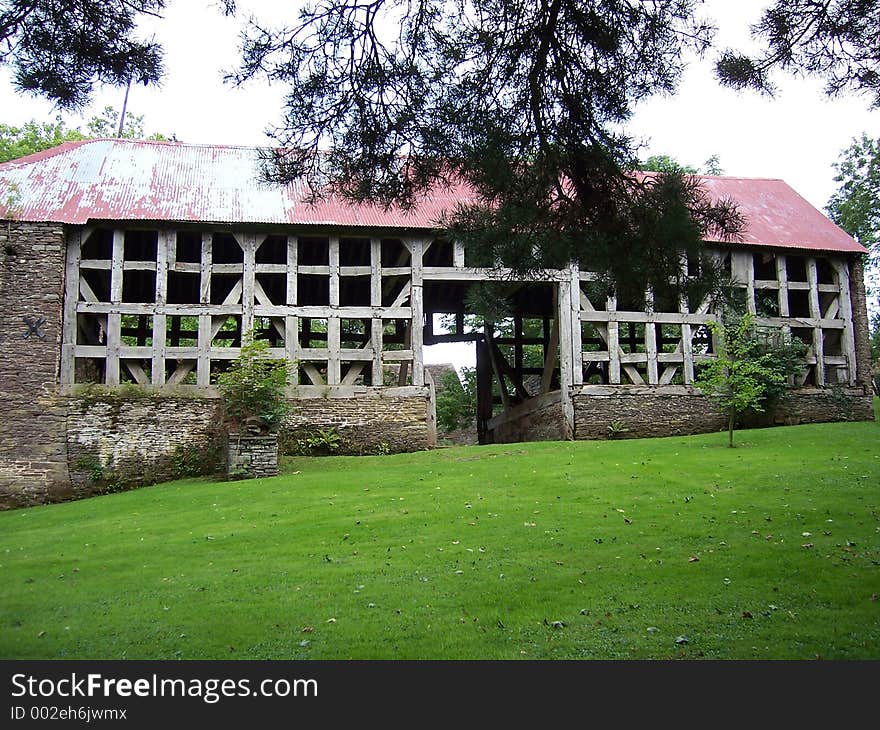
[{"x": 552, "y": 550}]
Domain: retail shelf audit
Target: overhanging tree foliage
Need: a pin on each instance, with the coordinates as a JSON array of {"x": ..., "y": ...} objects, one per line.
[
  {"x": 61, "y": 49},
  {"x": 524, "y": 101},
  {"x": 836, "y": 40}
]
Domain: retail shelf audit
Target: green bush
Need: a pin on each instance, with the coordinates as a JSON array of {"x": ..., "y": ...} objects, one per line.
[{"x": 253, "y": 389}]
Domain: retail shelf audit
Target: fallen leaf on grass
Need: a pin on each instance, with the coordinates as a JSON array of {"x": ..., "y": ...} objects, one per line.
[
  {"x": 693, "y": 559},
  {"x": 747, "y": 614},
  {"x": 307, "y": 629},
  {"x": 807, "y": 545}
]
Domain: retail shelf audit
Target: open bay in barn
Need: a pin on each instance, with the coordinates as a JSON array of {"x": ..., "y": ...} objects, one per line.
[{"x": 657, "y": 548}]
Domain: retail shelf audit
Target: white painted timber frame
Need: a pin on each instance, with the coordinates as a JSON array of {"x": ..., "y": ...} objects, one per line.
[{"x": 336, "y": 371}]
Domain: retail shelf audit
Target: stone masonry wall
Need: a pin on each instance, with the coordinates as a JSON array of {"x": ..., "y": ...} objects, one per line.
[
  {"x": 252, "y": 456},
  {"x": 367, "y": 424},
  {"x": 33, "y": 465},
  {"x": 677, "y": 414},
  {"x": 115, "y": 442}
]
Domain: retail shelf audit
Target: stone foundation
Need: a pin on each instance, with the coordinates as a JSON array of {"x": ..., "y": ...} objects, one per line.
[
  {"x": 104, "y": 440},
  {"x": 371, "y": 423},
  {"x": 251, "y": 457},
  {"x": 640, "y": 413},
  {"x": 115, "y": 442}
]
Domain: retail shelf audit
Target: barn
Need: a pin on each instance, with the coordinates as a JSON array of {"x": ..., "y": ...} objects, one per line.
[{"x": 131, "y": 269}]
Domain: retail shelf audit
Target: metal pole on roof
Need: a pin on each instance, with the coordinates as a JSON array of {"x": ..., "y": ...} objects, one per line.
[{"x": 124, "y": 107}]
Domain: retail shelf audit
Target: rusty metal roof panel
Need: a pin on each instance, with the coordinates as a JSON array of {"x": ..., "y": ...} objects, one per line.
[{"x": 170, "y": 181}]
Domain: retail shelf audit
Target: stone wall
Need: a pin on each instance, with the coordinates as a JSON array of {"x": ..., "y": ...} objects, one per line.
[
  {"x": 370, "y": 423},
  {"x": 540, "y": 419},
  {"x": 115, "y": 442},
  {"x": 666, "y": 413},
  {"x": 645, "y": 413},
  {"x": 33, "y": 465},
  {"x": 252, "y": 456}
]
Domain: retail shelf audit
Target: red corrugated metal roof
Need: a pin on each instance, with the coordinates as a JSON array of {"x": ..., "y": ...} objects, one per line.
[{"x": 169, "y": 181}]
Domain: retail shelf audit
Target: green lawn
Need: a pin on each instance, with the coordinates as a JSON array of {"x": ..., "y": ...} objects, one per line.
[{"x": 552, "y": 550}]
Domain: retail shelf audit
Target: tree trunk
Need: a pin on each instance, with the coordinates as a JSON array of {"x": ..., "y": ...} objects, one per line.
[{"x": 730, "y": 421}]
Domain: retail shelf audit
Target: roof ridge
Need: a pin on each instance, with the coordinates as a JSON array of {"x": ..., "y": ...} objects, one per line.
[{"x": 46, "y": 153}]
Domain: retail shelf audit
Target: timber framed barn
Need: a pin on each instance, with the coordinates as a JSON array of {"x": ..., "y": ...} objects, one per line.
[{"x": 137, "y": 266}]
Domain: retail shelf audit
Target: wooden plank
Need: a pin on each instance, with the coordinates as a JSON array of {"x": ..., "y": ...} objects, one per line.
[
  {"x": 376, "y": 272},
  {"x": 292, "y": 269},
  {"x": 167, "y": 241},
  {"x": 249, "y": 246},
  {"x": 334, "y": 272},
  {"x": 574, "y": 321},
  {"x": 659, "y": 317},
  {"x": 782, "y": 279},
  {"x": 333, "y": 361},
  {"x": 205, "y": 265},
  {"x": 651, "y": 354},
  {"x": 816, "y": 314},
  {"x": 312, "y": 372},
  {"x": 206, "y": 336},
  {"x": 566, "y": 315},
  {"x": 291, "y": 345},
  {"x": 447, "y": 273},
  {"x": 116, "y": 266},
  {"x": 687, "y": 353},
  {"x": 377, "y": 335},
  {"x": 94, "y": 264},
  {"x": 111, "y": 374},
  {"x": 613, "y": 344},
  {"x": 138, "y": 265},
  {"x": 137, "y": 372},
  {"x": 848, "y": 336},
  {"x": 417, "y": 321},
  {"x": 67, "y": 374}
]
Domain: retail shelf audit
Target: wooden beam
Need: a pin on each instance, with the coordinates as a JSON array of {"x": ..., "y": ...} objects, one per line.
[
  {"x": 816, "y": 314},
  {"x": 205, "y": 265},
  {"x": 166, "y": 242},
  {"x": 67, "y": 374},
  {"x": 417, "y": 321},
  {"x": 116, "y": 266},
  {"x": 848, "y": 336}
]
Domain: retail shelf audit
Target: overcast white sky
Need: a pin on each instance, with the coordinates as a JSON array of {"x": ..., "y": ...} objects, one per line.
[{"x": 796, "y": 136}]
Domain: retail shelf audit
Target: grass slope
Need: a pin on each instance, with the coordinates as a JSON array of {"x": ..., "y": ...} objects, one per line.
[{"x": 552, "y": 550}]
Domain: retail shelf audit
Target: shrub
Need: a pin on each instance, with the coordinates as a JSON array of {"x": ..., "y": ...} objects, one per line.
[{"x": 253, "y": 389}]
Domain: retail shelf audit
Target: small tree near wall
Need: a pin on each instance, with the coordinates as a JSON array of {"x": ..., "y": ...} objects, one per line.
[
  {"x": 752, "y": 368},
  {"x": 254, "y": 406}
]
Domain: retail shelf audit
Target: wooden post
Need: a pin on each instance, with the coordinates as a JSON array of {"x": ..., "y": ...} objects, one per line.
[
  {"x": 782, "y": 278},
  {"x": 816, "y": 314},
  {"x": 417, "y": 322},
  {"x": 167, "y": 241},
  {"x": 846, "y": 313},
  {"x": 67, "y": 375},
  {"x": 114, "y": 319},
  {"x": 248, "y": 244},
  {"x": 651, "y": 340},
  {"x": 566, "y": 356},
  {"x": 203, "y": 361},
  {"x": 577, "y": 347},
  {"x": 613, "y": 344}
]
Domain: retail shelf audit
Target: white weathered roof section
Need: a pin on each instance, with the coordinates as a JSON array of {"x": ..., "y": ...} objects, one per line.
[{"x": 166, "y": 181}]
